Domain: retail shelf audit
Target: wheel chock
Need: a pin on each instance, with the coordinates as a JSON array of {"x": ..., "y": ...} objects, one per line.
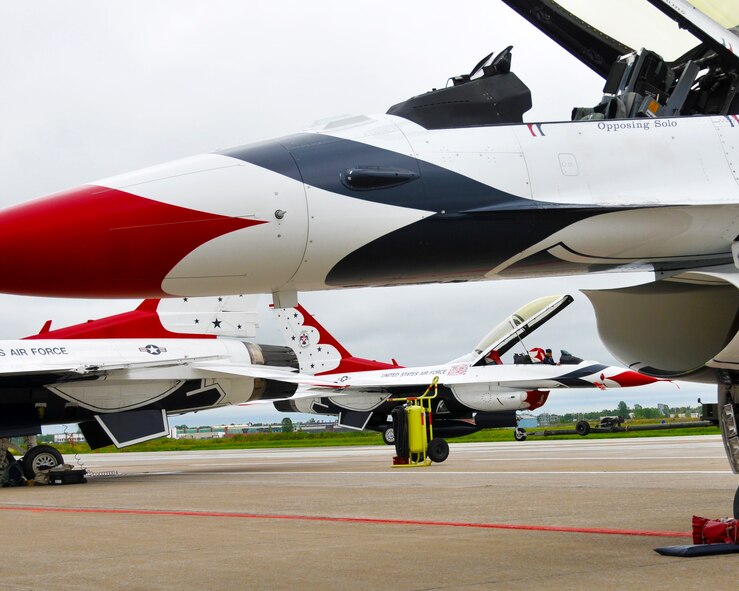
[{"x": 691, "y": 550}]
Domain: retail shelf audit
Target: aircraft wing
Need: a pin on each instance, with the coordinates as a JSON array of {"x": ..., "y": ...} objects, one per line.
[
  {"x": 101, "y": 368},
  {"x": 267, "y": 372},
  {"x": 171, "y": 362},
  {"x": 47, "y": 369}
]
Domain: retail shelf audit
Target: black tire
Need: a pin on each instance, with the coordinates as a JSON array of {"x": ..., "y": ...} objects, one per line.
[
  {"x": 400, "y": 428},
  {"x": 438, "y": 450},
  {"x": 520, "y": 434},
  {"x": 40, "y": 457},
  {"x": 388, "y": 435},
  {"x": 582, "y": 428},
  {"x": 736, "y": 504}
]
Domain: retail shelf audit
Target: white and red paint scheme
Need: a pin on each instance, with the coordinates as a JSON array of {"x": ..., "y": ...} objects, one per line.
[
  {"x": 120, "y": 377},
  {"x": 475, "y": 391},
  {"x": 451, "y": 185}
]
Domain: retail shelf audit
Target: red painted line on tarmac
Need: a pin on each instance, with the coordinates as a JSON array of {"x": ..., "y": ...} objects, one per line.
[{"x": 364, "y": 520}]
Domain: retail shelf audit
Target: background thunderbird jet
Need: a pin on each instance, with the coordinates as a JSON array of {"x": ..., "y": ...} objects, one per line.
[
  {"x": 475, "y": 391},
  {"x": 122, "y": 376}
]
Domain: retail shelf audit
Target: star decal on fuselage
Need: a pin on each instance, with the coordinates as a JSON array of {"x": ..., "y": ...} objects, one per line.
[{"x": 153, "y": 350}]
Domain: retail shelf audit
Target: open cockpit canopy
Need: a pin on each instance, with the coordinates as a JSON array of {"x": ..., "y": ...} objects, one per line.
[
  {"x": 659, "y": 57},
  {"x": 599, "y": 31},
  {"x": 518, "y": 325}
]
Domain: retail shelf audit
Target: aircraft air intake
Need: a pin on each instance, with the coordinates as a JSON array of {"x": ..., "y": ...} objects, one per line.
[{"x": 685, "y": 326}]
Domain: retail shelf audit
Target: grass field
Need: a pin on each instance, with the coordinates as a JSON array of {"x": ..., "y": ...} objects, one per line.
[{"x": 328, "y": 439}]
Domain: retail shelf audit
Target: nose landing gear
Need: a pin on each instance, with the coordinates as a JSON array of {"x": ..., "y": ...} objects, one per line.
[
  {"x": 40, "y": 457},
  {"x": 37, "y": 459}
]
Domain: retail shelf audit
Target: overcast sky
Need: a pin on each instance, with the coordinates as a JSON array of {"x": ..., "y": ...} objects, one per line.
[{"x": 90, "y": 89}]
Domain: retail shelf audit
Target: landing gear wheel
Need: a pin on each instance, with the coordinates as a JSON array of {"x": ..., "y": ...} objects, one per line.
[
  {"x": 736, "y": 504},
  {"x": 388, "y": 435},
  {"x": 582, "y": 428},
  {"x": 520, "y": 434},
  {"x": 40, "y": 457},
  {"x": 438, "y": 450}
]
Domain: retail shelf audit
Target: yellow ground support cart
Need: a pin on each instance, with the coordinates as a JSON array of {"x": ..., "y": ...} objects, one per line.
[{"x": 415, "y": 444}]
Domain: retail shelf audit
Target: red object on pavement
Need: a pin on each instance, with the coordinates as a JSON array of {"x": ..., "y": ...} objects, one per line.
[{"x": 715, "y": 531}]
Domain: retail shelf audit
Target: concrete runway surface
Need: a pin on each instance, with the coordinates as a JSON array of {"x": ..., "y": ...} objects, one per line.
[{"x": 580, "y": 514}]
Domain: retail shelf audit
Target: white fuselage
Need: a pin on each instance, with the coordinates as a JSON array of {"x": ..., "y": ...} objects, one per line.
[
  {"x": 484, "y": 388},
  {"x": 508, "y": 200},
  {"x": 594, "y": 164}
]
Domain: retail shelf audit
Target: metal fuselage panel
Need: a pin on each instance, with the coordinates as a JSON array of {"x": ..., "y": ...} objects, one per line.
[
  {"x": 509, "y": 200},
  {"x": 462, "y": 387},
  {"x": 474, "y": 203}
]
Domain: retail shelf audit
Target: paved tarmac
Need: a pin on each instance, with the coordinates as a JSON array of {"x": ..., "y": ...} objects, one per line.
[{"x": 581, "y": 514}]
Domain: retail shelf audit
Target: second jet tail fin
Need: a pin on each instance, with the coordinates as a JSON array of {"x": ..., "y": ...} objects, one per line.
[{"x": 317, "y": 349}]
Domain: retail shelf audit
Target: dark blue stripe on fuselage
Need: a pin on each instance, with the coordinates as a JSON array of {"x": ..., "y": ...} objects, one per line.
[
  {"x": 322, "y": 158},
  {"x": 575, "y": 378},
  {"x": 270, "y": 154},
  {"x": 475, "y": 228}
]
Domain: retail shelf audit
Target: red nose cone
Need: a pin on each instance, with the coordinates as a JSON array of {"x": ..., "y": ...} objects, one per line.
[
  {"x": 100, "y": 242},
  {"x": 629, "y": 379}
]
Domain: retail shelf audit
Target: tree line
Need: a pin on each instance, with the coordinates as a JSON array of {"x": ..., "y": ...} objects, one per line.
[{"x": 637, "y": 411}]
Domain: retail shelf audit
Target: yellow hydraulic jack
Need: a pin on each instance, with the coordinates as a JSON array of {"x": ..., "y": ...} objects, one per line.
[{"x": 414, "y": 432}]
